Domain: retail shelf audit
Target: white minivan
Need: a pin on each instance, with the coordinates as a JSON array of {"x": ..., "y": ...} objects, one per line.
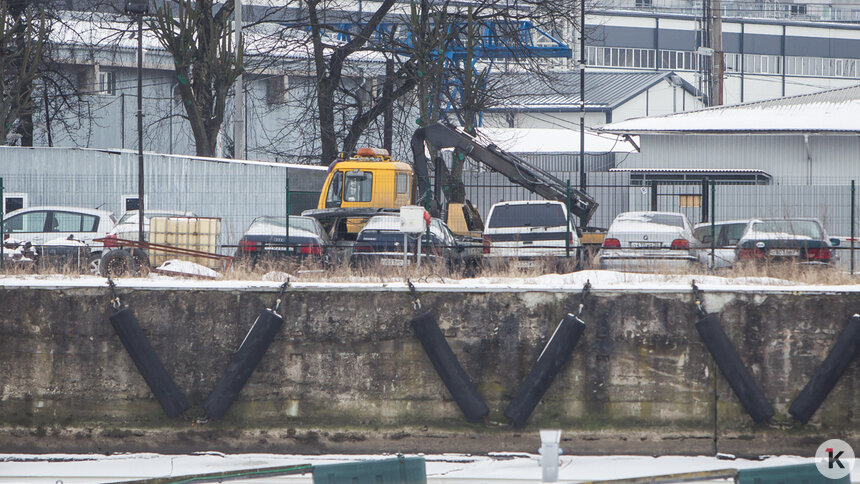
[{"x": 524, "y": 233}]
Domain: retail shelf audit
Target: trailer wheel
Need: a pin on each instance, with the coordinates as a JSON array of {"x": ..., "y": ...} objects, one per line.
[{"x": 116, "y": 262}]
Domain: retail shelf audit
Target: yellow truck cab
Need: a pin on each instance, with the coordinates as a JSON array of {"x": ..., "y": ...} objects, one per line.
[{"x": 370, "y": 178}]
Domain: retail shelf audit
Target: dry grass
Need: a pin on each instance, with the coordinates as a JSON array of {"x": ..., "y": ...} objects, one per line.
[{"x": 343, "y": 272}]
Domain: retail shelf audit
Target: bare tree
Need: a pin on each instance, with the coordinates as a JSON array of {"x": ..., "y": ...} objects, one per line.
[
  {"x": 23, "y": 32},
  {"x": 206, "y": 61}
]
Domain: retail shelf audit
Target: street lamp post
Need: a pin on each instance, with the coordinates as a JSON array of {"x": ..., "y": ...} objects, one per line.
[{"x": 139, "y": 8}]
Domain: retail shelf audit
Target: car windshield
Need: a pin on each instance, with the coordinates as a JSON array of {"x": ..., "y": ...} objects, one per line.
[
  {"x": 527, "y": 215},
  {"x": 785, "y": 229},
  {"x": 669, "y": 219}
]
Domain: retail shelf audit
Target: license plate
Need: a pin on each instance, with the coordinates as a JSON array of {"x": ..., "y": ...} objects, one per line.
[
  {"x": 648, "y": 244},
  {"x": 392, "y": 262},
  {"x": 525, "y": 264},
  {"x": 784, "y": 252}
]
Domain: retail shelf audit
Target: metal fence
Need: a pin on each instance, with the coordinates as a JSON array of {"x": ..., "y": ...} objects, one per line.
[{"x": 239, "y": 197}]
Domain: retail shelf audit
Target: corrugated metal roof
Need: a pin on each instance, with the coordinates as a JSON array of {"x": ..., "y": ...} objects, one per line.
[
  {"x": 835, "y": 111},
  {"x": 689, "y": 170},
  {"x": 603, "y": 90}
]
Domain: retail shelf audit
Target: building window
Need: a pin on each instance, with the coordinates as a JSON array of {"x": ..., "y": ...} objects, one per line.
[
  {"x": 644, "y": 3},
  {"x": 107, "y": 83},
  {"x": 130, "y": 202},
  {"x": 797, "y": 9},
  {"x": 14, "y": 201}
]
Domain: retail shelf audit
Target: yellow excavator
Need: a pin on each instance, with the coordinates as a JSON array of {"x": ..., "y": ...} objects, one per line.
[{"x": 371, "y": 182}]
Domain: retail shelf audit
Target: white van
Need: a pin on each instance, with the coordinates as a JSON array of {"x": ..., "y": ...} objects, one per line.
[{"x": 523, "y": 233}]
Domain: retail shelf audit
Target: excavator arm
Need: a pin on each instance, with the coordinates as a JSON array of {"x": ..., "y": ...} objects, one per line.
[{"x": 513, "y": 167}]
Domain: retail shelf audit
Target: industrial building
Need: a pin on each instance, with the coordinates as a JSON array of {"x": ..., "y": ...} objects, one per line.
[
  {"x": 794, "y": 156},
  {"x": 554, "y": 101}
]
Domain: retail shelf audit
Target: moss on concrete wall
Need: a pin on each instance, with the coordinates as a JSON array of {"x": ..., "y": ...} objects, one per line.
[{"x": 346, "y": 373}]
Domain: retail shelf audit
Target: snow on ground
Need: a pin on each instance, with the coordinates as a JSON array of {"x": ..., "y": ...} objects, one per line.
[
  {"x": 573, "y": 282},
  {"x": 186, "y": 268},
  {"x": 445, "y": 468}
]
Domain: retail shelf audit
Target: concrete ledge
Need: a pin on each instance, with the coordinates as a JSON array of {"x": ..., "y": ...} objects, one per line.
[{"x": 346, "y": 374}]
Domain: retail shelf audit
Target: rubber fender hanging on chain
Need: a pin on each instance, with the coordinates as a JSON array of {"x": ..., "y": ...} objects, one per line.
[
  {"x": 148, "y": 363},
  {"x": 822, "y": 382},
  {"x": 733, "y": 369},
  {"x": 552, "y": 359},
  {"x": 243, "y": 363},
  {"x": 448, "y": 367}
]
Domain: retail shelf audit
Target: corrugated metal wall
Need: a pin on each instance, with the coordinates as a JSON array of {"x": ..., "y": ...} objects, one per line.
[
  {"x": 833, "y": 158},
  {"x": 234, "y": 191}
]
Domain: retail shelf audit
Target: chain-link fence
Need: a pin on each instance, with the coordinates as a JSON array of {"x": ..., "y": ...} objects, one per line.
[{"x": 250, "y": 199}]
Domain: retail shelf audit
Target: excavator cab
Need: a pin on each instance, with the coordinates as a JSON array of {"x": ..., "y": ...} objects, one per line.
[{"x": 368, "y": 179}]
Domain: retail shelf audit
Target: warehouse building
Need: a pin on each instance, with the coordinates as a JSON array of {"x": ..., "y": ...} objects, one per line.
[{"x": 794, "y": 156}]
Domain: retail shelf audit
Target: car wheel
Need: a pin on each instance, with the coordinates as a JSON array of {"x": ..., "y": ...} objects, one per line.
[
  {"x": 93, "y": 263},
  {"x": 141, "y": 263},
  {"x": 116, "y": 263}
]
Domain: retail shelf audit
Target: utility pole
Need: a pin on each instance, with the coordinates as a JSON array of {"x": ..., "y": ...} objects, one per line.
[
  {"x": 139, "y": 8},
  {"x": 582, "y": 181},
  {"x": 239, "y": 98},
  {"x": 706, "y": 53},
  {"x": 718, "y": 66}
]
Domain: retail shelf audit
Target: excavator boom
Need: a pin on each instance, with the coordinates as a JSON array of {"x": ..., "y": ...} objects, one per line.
[{"x": 511, "y": 166}]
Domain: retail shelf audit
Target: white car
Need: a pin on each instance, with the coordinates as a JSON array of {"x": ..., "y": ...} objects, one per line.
[
  {"x": 728, "y": 234},
  {"x": 52, "y": 225},
  {"x": 525, "y": 232},
  {"x": 649, "y": 241}
]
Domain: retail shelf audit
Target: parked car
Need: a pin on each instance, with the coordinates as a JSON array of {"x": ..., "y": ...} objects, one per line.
[
  {"x": 728, "y": 234},
  {"x": 266, "y": 239},
  {"x": 801, "y": 240},
  {"x": 60, "y": 231},
  {"x": 527, "y": 232},
  {"x": 381, "y": 242},
  {"x": 649, "y": 241}
]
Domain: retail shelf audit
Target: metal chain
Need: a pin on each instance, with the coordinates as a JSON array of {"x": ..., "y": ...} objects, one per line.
[
  {"x": 281, "y": 295},
  {"x": 586, "y": 290},
  {"x": 697, "y": 294},
  {"x": 416, "y": 303},
  {"x": 114, "y": 300}
]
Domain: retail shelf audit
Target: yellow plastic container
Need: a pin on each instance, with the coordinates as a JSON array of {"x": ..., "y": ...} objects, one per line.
[{"x": 193, "y": 233}]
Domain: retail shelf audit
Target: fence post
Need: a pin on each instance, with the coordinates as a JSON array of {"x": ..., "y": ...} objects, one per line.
[
  {"x": 287, "y": 231},
  {"x": 567, "y": 239},
  {"x": 713, "y": 205},
  {"x": 427, "y": 231},
  {"x": 2, "y": 228},
  {"x": 852, "y": 223},
  {"x": 654, "y": 195},
  {"x": 705, "y": 204}
]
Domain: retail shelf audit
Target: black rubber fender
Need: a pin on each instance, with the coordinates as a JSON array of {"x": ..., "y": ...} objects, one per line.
[
  {"x": 733, "y": 369},
  {"x": 825, "y": 377},
  {"x": 148, "y": 363},
  {"x": 552, "y": 359},
  {"x": 243, "y": 363},
  {"x": 448, "y": 367}
]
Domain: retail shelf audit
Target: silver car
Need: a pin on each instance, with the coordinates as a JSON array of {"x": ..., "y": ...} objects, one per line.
[
  {"x": 649, "y": 241},
  {"x": 727, "y": 235}
]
